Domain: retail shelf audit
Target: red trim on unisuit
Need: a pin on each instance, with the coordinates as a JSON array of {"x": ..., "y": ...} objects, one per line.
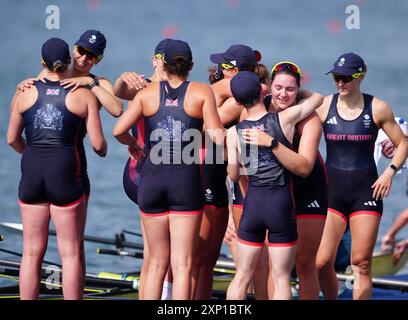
[
  {"x": 251, "y": 244},
  {"x": 186, "y": 212},
  {"x": 153, "y": 215},
  {"x": 338, "y": 213},
  {"x": 311, "y": 216},
  {"x": 287, "y": 244},
  {"x": 371, "y": 213},
  {"x": 83, "y": 197}
]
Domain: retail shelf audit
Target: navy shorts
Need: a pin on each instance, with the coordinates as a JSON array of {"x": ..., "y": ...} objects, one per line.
[
  {"x": 350, "y": 193},
  {"x": 51, "y": 174},
  {"x": 170, "y": 188},
  {"x": 268, "y": 210}
]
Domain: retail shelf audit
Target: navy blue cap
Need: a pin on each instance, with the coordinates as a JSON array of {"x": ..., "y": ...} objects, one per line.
[
  {"x": 348, "y": 64},
  {"x": 94, "y": 41},
  {"x": 239, "y": 55},
  {"x": 161, "y": 45},
  {"x": 176, "y": 48},
  {"x": 54, "y": 50},
  {"x": 246, "y": 87}
]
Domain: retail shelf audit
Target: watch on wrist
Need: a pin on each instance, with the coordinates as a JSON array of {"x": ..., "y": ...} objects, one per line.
[
  {"x": 394, "y": 168},
  {"x": 93, "y": 84},
  {"x": 274, "y": 143}
]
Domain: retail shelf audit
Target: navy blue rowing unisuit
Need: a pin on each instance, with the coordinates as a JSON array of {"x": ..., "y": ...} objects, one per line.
[
  {"x": 133, "y": 168},
  {"x": 51, "y": 166},
  {"x": 268, "y": 205},
  {"x": 171, "y": 179},
  {"x": 350, "y": 161},
  {"x": 311, "y": 192}
]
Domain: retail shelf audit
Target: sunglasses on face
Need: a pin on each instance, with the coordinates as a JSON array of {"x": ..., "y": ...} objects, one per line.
[
  {"x": 346, "y": 79},
  {"x": 89, "y": 55},
  {"x": 287, "y": 66}
]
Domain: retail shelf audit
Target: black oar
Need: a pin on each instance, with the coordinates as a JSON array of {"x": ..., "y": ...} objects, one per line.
[
  {"x": 132, "y": 233},
  {"x": 20, "y": 255},
  {"x": 118, "y": 242},
  {"x": 122, "y": 253},
  {"x": 91, "y": 279}
]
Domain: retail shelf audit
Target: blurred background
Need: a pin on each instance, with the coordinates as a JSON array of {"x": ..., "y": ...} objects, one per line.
[{"x": 312, "y": 33}]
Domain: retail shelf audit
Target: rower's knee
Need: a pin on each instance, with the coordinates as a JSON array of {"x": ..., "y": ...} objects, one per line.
[
  {"x": 305, "y": 264},
  {"x": 361, "y": 264},
  {"x": 324, "y": 265}
]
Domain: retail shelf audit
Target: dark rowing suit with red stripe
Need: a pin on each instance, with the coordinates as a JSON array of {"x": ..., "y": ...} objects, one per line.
[
  {"x": 350, "y": 161},
  {"x": 268, "y": 205},
  {"x": 310, "y": 193},
  {"x": 171, "y": 179},
  {"x": 133, "y": 168},
  {"x": 51, "y": 165}
]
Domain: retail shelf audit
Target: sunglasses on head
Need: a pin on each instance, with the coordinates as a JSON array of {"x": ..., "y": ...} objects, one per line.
[
  {"x": 89, "y": 55},
  {"x": 287, "y": 66},
  {"x": 227, "y": 66},
  {"x": 345, "y": 79}
]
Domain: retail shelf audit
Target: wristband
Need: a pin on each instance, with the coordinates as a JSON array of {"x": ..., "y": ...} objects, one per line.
[
  {"x": 93, "y": 84},
  {"x": 394, "y": 168}
]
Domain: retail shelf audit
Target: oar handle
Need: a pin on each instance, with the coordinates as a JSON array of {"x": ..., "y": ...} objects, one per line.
[{"x": 122, "y": 253}]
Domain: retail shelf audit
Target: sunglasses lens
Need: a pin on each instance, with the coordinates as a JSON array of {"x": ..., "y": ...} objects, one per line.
[
  {"x": 345, "y": 79},
  {"x": 88, "y": 54}
]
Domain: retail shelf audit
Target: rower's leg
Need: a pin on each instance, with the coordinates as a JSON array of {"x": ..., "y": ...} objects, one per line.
[
  {"x": 364, "y": 230},
  {"x": 35, "y": 219},
  {"x": 248, "y": 259},
  {"x": 184, "y": 231},
  {"x": 156, "y": 232},
  {"x": 145, "y": 263},
  {"x": 334, "y": 228},
  {"x": 310, "y": 232},
  {"x": 260, "y": 282},
  {"x": 283, "y": 261},
  {"x": 212, "y": 231},
  {"x": 69, "y": 225}
]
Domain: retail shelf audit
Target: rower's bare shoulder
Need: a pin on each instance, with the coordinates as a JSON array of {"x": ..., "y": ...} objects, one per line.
[
  {"x": 381, "y": 110},
  {"x": 323, "y": 110}
]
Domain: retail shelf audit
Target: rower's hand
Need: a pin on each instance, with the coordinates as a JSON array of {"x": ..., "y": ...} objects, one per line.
[
  {"x": 28, "y": 83},
  {"x": 387, "y": 243},
  {"x": 76, "y": 82},
  {"x": 256, "y": 137},
  {"x": 382, "y": 186},
  {"x": 134, "y": 80},
  {"x": 135, "y": 152},
  {"x": 399, "y": 250}
]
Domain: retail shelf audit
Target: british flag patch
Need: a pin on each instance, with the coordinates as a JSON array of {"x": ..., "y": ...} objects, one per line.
[
  {"x": 171, "y": 103},
  {"x": 52, "y": 92}
]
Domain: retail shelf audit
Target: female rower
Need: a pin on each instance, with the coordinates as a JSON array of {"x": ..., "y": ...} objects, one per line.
[
  {"x": 126, "y": 87},
  {"x": 88, "y": 52},
  {"x": 170, "y": 194},
  {"x": 310, "y": 187},
  {"x": 263, "y": 141},
  {"x": 351, "y": 120},
  {"x": 51, "y": 185},
  {"x": 216, "y": 213}
]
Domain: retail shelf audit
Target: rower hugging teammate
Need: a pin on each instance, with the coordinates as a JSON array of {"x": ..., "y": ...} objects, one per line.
[{"x": 183, "y": 138}]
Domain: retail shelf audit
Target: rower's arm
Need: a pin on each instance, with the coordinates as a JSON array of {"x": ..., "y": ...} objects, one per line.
[
  {"x": 16, "y": 126},
  {"x": 104, "y": 93},
  {"x": 128, "y": 85},
  {"x": 233, "y": 158},
  {"x": 230, "y": 111},
  {"x": 222, "y": 91}
]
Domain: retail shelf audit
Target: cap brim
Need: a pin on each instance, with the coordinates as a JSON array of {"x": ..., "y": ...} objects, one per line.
[
  {"x": 218, "y": 58},
  {"x": 343, "y": 71}
]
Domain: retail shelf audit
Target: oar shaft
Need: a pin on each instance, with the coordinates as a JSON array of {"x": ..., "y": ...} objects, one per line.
[
  {"x": 136, "y": 254},
  {"x": 378, "y": 282}
]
